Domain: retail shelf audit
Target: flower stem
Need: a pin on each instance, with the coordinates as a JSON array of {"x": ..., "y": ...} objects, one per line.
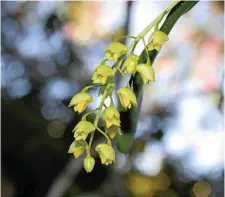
[
  {"x": 89, "y": 87},
  {"x": 104, "y": 96},
  {"x": 103, "y": 133},
  {"x": 87, "y": 114},
  {"x": 121, "y": 72},
  {"x": 112, "y": 102},
  {"x": 148, "y": 59},
  {"x": 149, "y": 27}
]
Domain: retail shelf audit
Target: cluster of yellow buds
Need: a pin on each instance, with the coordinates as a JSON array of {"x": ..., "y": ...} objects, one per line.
[{"x": 127, "y": 63}]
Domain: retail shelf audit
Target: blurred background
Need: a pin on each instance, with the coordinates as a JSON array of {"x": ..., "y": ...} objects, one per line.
[{"x": 48, "y": 52}]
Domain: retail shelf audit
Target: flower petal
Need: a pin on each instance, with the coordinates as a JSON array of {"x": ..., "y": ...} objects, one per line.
[
  {"x": 129, "y": 94},
  {"x": 82, "y": 96},
  {"x": 146, "y": 71},
  {"x": 80, "y": 107}
]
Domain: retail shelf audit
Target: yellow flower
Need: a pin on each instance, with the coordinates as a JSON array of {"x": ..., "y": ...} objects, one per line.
[
  {"x": 78, "y": 147},
  {"x": 106, "y": 153},
  {"x": 82, "y": 130},
  {"x": 102, "y": 73},
  {"x": 80, "y": 101},
  {"x": 156, "y": 40},
  {"x": 131, "y": 63},
  {"x": 113, "y": 131},
  {"x": 89, "y": 163},
  {"x": 111, "y": 117},
  {"x": 127, "y": 97},
  {"x": 115, "y": 50},
  {"x": 146, "y": 72}
]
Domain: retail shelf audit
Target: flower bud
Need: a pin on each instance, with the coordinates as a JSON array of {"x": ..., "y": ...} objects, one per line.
[
  {"x": 80, "y": 101},
  {"x": 82, "y": 130},
  {"x": 146, "y": 72},
  {"x": 89, "y": 163},
  {"x": 102, "y": 73},
  {"x": 78, "y": 147},
  {"x": 113, "y": 131},
  {"x": 111, "y": 117},
  {"x": 156, "y": 40},
  {"x": 115, "y": 50},
  {"x": 127, "y": 97},
  {"x": 106, "y": 153},
  {"x": 131, "y": 63}
]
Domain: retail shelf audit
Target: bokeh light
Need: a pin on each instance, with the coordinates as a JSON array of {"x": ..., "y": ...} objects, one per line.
[{"x": 202, "y": 189}]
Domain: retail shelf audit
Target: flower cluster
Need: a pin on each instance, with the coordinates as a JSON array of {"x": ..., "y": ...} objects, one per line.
[{"x": 126, "y": 63}]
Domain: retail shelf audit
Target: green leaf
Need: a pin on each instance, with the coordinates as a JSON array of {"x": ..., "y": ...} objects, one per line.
[{"x": 124, "y": 142}]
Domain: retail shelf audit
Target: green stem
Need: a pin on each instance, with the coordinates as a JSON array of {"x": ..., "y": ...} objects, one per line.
[
  {"x": 148, "y": 59},
  {"x": 133, "y": 37},
  {"x": 103, "y": 133},
  {"x": 104, "y": 96},
  {"x": 120, "y": 63},
  {"x": 149, "y": 27},
  {"x": 112, "y": 102},
  {"x": 89, "y": 87},
  {"x": 125, "y": 78},
  {"x": 85, "y": 115}
]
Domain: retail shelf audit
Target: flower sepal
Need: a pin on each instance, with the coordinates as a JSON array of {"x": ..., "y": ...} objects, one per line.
[
  {"x": 130, "y": 64},
  {"x": 82, "y": 129},
  {"x": 80, "y": 101},
  {"x": 78, "y": 147},
  {"x": 127, "y": 97},
  {"x": 106, "y": 153},
  {"x": 115, "y": 50},
  {"x": 102, "y": 74},
  {"x": 146, "y": 72},
  {"x": 111, "y": 117},
  {"x": 113, "y": 131},
  {"x": 156, "y": 40}
]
